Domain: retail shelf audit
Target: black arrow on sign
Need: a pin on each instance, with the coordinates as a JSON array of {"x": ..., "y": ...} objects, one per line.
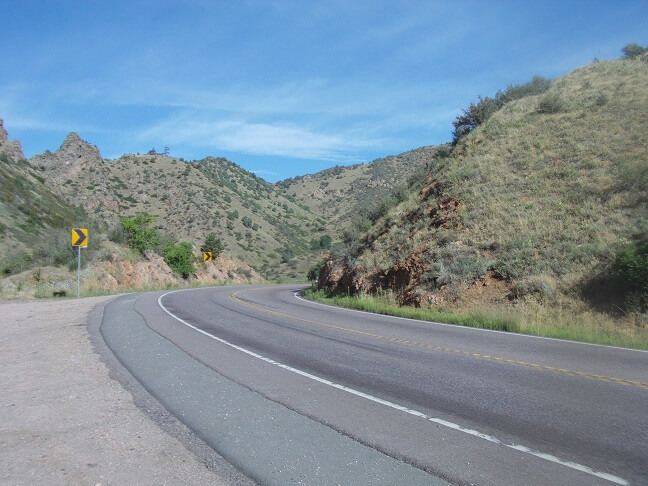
[{"x": 81, "y": 237}]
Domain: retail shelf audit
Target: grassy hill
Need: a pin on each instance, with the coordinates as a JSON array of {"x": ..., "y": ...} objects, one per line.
[
  {"x": 346, "y": 195},
  {"x": 32, "y": 217},
  {"x": 528, "y": 211},
  {"x": 256, "y": 221}
]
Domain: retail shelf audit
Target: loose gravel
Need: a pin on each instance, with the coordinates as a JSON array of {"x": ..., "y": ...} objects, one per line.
[{"x": 67, "y": 421}]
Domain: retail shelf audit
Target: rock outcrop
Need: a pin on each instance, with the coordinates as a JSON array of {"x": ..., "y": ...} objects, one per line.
[
  {"x": 153, "y": 272},
  {"x": 69, "y": 159},
  {"x": 3, "y": 132},
  {"x": 11, "y": 148},
  {"x": 403, "y": 277}
]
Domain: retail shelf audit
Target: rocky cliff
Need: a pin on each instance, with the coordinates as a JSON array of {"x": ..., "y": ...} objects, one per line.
[
  {"x": 73, "y": 156},
  {"x": 12, "y": 148}
]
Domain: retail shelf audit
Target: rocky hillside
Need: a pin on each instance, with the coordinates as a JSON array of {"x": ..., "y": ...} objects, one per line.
[
  {"x": 36, "y": 215},
  {"x": 344, "y": 195},
  {"x": 534, "y": 203},
  {"x": 256, "y": 221},
  {"x": 278, "y": 229},
  {"x": 31, "y": 215}
]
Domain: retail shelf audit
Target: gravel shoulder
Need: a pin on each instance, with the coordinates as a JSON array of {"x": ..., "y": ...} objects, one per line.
[{"x": 67, "y": 420}]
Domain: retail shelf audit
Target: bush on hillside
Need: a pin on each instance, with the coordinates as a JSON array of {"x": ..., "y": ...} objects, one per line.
[
  {"x": 630, "y": 51},
  {"x": 322, "y": 243},
  {"x": 536, "y": 86},
  {"x": 550, "y": 103},
  {"x": 474, "y": 115},
  {"x": 477, "y": 113},
  {"x": 138, "y": 234},
  {"x": 214, "y": 244},
  {"x": 57, "y": 251},
  {"x": 180, "y": 258},
  {"x": 16, "y": 262},
  {"x": 314, "y": 272},
  {"x": 631, "y": 266}
]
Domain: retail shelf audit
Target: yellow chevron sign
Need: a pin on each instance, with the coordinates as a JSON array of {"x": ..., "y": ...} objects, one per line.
[
  {"x": 80, "y": 237},
  {"x": 208, "y": 256}
]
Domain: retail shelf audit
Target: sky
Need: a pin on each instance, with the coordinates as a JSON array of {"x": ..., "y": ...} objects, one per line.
[{"x": 285, "y": 87}]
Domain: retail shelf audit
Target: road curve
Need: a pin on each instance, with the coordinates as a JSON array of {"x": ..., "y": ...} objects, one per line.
[{"x": 466, "y": 405}]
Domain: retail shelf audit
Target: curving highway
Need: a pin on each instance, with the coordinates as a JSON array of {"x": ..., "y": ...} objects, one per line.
[{"x": 294, "y": 392}]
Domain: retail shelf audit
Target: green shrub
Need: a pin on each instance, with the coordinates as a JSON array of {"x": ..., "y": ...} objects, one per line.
[
  {"x": 630, "y": 51},
  {"x": 214, "y": 244},
  {"x": 474, "y": 115},
  {"x": 477, "y": 113},
  {"x": 601, "y": 100},
  {"x": 550, "y": 103},
  {"x": 536, "y": 86},
  {"x": 180, "y": 258},
  {"x": 313, "y": 272},
  {"x": 138, "y": 234},
  {"x": 17, "y": 262},
  {"x": 117, "y": 234},
  {"x": 631, "y": 266},
  {"x": 436, "y": 276},
  {"x": 323, "y": 243},
  {"x": 539, "y": 285}
]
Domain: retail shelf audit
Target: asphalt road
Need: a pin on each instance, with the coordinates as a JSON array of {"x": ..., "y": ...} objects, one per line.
[{"x": 420, "y": 402}]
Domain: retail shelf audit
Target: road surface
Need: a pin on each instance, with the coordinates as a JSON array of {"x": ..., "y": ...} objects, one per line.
[{"x": 312, "y": 394}]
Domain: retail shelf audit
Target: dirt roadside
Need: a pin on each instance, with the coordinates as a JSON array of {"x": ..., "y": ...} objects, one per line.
[{"x": 66, "y": 421}]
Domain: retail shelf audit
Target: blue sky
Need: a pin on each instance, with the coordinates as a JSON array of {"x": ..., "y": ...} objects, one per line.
[{"x": 282, "y": 88}]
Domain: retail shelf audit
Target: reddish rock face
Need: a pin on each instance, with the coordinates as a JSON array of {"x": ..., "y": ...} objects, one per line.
[
  {"x": 404, "y": 276},
  {"x": 155, "y": 273}
]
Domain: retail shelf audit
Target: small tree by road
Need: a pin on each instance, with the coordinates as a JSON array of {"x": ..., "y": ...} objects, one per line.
[
  {"x": 180, "y": 258},
  {"x": 138, "y": 234},
  {"x": 214, "y": 244}
]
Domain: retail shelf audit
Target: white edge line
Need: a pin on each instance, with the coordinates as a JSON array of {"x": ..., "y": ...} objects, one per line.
[
  {"x": 445, "y": 423},
  {"x": 467, "y": 328}
]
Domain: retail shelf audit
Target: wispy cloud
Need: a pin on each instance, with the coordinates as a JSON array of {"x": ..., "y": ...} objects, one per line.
[{"x": 257, "y": 138}]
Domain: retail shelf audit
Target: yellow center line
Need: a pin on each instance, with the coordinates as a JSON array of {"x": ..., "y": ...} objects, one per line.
[{"x": 431, "y": 347}]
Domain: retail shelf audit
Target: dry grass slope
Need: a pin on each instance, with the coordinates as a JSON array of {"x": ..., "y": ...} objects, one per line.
[
  {"x": 530, "y": 209},
  {"x": 344, "y": 194}
]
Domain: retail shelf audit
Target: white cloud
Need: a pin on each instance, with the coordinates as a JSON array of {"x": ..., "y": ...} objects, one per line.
[{"x": 257, "y": 138}]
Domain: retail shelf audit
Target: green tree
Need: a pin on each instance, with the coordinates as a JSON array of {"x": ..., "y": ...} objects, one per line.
[
  {"x": 314, "y": 272},
  {"x": 138, "y": 234},
  {"x": 325, "y": 242},
  {"x": 477, "y": 113},
  {"x": 214, "y": 244},
  {"x": 631, "y": 266},
  {"x": 180, "y": 258},
  {"x": 633, "y": 50}
]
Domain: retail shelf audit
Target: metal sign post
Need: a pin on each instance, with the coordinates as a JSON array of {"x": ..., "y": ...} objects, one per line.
[
  {"x": 78, "y": 271},
  {"x": 79, "y": 239}
]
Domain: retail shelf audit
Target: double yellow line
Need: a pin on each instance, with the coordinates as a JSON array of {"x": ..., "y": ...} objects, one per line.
[{"x": 446, "y": 349}]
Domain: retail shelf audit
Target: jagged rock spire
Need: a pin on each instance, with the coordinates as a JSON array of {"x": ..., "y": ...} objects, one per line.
[{"x": 3, "y": 132}]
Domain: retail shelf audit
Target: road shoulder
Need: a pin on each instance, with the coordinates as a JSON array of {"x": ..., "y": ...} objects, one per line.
[{"x": 66, "y": 420}]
